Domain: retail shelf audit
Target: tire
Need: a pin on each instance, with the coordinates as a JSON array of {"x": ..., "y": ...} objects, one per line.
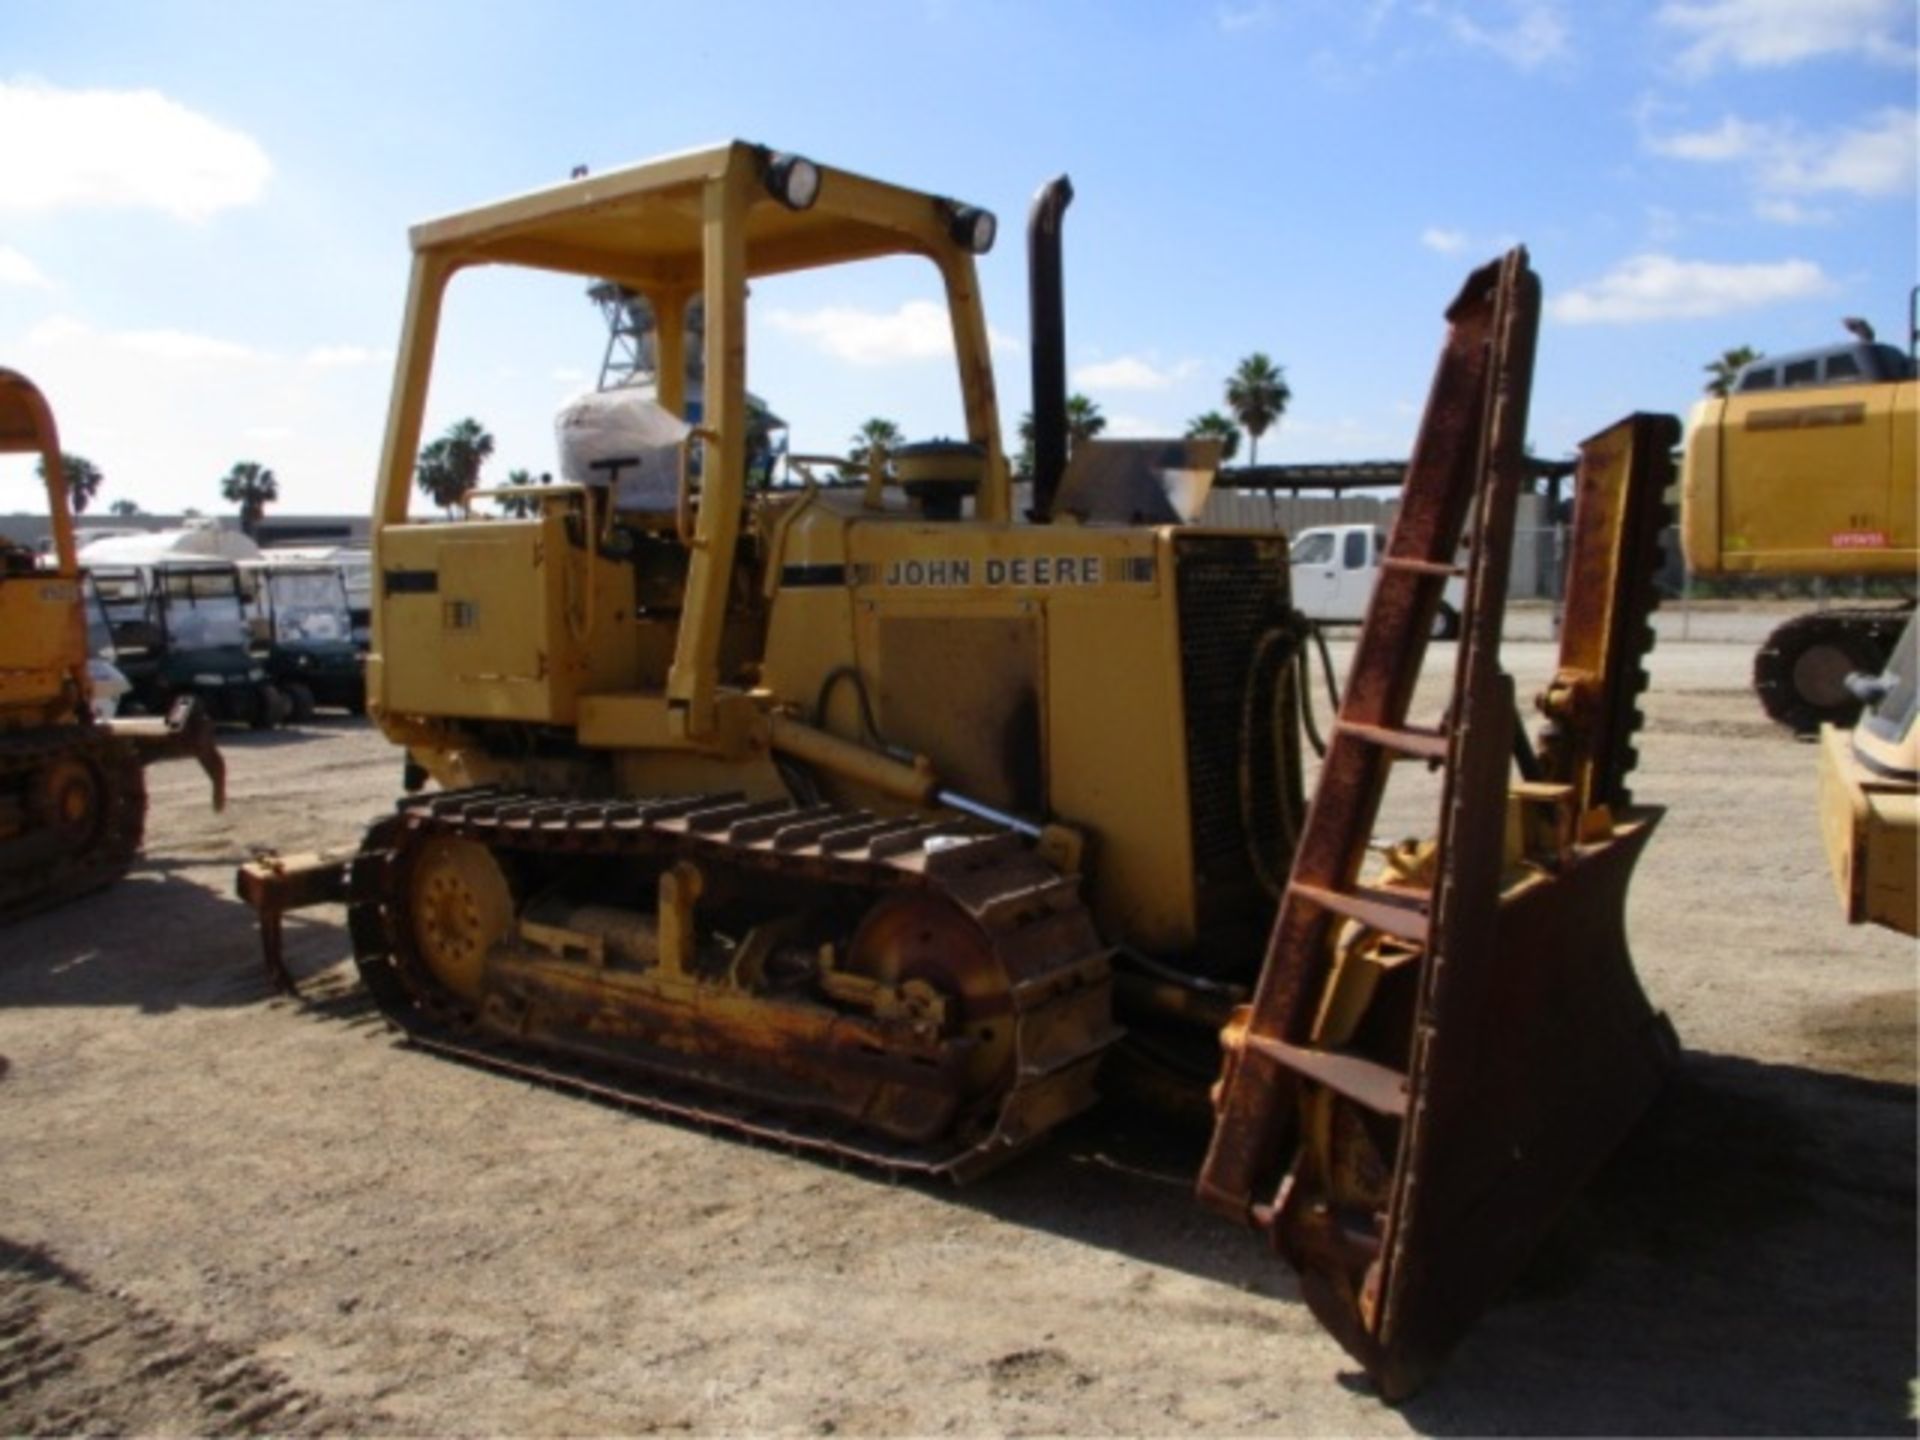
[
  {"x": 1800, "y": 672},
  {"x": 1446, "y": 622},
  {"x": 300, "y": 697},
  {"x": 270, "y": 707}
]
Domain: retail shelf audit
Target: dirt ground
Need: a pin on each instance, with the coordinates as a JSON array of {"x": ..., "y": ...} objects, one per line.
[{"x": 227, "y": 1211}]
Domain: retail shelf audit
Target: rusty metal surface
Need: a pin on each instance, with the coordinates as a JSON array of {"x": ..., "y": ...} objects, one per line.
[
  {"x": 1619, "y": 509},
  {"x": 762, "y": 1062},
  {"x": 1252, "y": 1138},
  {"x": 1456, "y": 975},
  {"x": 272, "y": 885},
  {"x": 186, "y": 733},
  {"x": 1540, "y": 1054},
  {"x": 1408, "y": 1133}
]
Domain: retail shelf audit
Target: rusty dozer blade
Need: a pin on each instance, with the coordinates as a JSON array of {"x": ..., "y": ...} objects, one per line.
[
  {"x": 186, "y": 733},
  {"x": 1436, "y": 1059}
]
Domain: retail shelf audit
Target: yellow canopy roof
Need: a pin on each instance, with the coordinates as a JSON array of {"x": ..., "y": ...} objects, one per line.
[{"x": 642, "y": 225}]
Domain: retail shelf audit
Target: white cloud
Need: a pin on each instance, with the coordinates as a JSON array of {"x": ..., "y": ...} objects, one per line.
[
  {"x": 570, "y": 375},
  {"x": 345, "y": 357},
  {"x": 1876, "y": 157},
  {"x": 171, "y": 426},
  {"x": 121, "y": 149},
  {"x": 178, "y": 346},
  {"x": 1660, "y": 287},
  {"x": 1121, "y": 426},
  {"x": 1732, "y": 139},
  {"x": 1767, "y": 34},
  {"x": 1534, "y": 32},
  {"x": 1782, "y": 211},
  {"x": 1447, "y": 242},
  {"x": 1130, "y": 372},
  {"x": 917, "y": 330},
  {"x": 57, "y": 330},
  {"x": 1256, "y": 16},
  {"x": 18, "y": 271}
]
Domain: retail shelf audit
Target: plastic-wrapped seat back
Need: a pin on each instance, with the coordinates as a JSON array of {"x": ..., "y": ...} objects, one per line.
[{"x": 626, "y": 438}]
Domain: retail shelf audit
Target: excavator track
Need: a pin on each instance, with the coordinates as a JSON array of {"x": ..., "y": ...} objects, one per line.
[
  {"x": 1799, "y": 673},
  {"x": 79, "y": 799},
  {"x": 1050, "y": 966}
]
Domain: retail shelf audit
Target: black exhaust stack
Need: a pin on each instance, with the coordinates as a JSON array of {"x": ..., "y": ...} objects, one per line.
[{"x": 1047, "y": 311}]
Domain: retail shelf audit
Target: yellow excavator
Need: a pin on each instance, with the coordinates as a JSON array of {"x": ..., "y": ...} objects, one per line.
[
  {"x": 73, "y": 797},
  {"x": 1806, "y": 467},
  {"x": 892, "y": 821}
]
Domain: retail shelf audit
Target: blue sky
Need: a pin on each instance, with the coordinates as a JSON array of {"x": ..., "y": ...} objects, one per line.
[{"x": 203, "y": 207}]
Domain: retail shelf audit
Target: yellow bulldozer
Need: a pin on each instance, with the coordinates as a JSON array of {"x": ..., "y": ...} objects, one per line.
[
  {"x": 1806, "y": 468},
  {"x": 73, "y": 797},
  {"x": 898, "y": 821}
]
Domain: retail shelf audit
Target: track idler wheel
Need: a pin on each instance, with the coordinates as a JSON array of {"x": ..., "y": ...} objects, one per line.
[
  {"x": 460, "y": 906},
  {"x": 77, "y": 822},
  {"x": 72, "y": 803},
  {"x": 920, "y": 937}
]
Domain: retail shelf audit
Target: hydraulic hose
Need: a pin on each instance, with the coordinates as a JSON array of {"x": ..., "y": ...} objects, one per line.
[
  {"x": 1274, "y": 665},
  {"x": 1319, "y": 638},
  {"x": 833, "y": 679}
]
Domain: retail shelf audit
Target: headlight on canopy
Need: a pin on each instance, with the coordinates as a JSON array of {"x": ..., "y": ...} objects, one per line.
[
  {"x": 793, "y": 180},
  {"x": 972, "y": 227}
]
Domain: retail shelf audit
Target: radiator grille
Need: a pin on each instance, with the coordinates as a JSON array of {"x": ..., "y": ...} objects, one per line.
[{"x": 1232, "y": 590}]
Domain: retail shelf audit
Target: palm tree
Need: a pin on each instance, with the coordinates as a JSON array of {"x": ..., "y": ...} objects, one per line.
[
  {"x": 125, "y": 507},
  {"x": 1215, "y": 426},
  {"x": 251, "y": 486},
  {"x": 1023, "y": 463},
  {"x": 518, "y": 506},
  {"x": 83, "y": 479},
  {"x": 524, "y": 507},
  {"x": 1257, "y": 394},
  {"x": 1720, "y": 372},
  {"x": 878, "y": 432},
  {"x": 1084, "y": 420},
  {"x": 450, "y": 466}
]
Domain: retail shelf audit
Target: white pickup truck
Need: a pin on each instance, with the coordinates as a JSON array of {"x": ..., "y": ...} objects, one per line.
[{"x": 1334, "y": 570}]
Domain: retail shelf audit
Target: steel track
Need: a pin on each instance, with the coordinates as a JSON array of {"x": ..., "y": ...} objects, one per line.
[
  {"x": 46, "y": 874},
  {"x": 1054, "y": 969}
]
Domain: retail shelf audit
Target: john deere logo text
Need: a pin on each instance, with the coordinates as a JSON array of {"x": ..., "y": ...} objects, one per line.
[{"x": 1036, "y": 570}]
